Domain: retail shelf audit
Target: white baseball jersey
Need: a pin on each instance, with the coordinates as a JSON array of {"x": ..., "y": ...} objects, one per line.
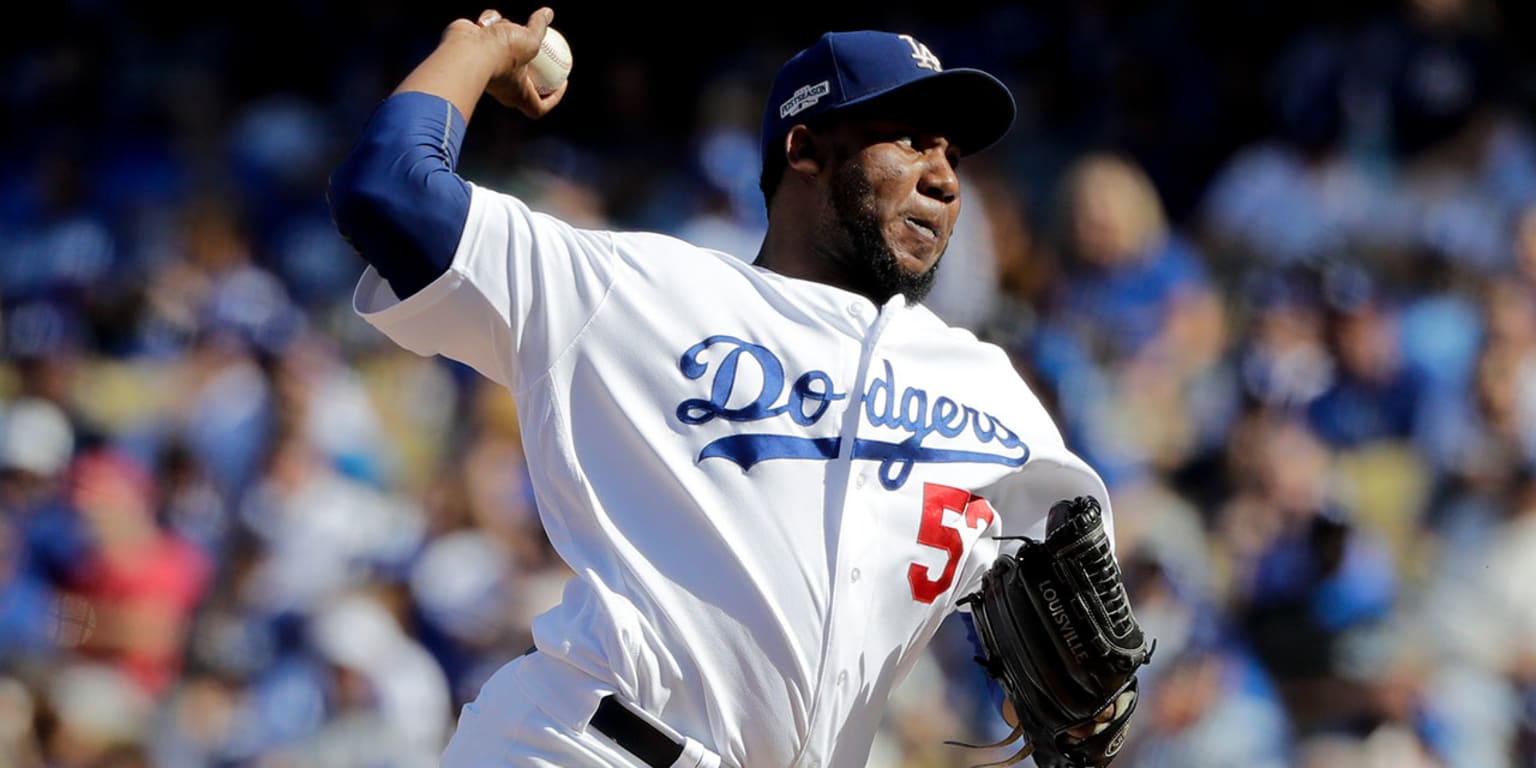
[{"x": 771, "y": 490}]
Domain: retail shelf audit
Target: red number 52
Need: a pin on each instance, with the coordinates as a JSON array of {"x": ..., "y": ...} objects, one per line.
[{"x": 934, "y": 533}]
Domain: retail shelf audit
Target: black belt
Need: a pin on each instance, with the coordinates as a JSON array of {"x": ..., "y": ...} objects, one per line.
[{"x": 635, "y": 735}]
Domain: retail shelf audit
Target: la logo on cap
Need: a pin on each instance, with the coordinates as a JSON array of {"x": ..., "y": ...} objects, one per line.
[{"x": 925, "y": 58}]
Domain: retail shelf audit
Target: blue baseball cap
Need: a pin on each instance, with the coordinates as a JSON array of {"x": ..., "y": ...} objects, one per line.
[{"x": 846, "y": 69}]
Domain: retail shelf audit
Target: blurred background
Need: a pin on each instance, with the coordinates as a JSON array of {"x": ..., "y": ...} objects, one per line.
[{"x": 1271, "y": 265}]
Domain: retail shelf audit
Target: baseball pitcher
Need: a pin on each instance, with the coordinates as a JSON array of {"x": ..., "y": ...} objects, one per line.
[{"x": 773, "y": 474}]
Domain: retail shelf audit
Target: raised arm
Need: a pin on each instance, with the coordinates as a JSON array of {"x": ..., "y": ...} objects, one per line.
[
  {"x": 488, "y": 57},
  {"x": 396, "y": 197}
]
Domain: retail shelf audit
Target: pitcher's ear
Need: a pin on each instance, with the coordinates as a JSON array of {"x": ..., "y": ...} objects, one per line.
[{"x": 802, "y": 148}]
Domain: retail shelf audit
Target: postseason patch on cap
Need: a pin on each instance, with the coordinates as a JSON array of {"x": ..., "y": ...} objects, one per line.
[{"x": 803, "y": 98}]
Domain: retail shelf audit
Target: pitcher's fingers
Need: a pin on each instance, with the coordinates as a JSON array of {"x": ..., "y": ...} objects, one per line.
[{"x": 539, "y": 20}]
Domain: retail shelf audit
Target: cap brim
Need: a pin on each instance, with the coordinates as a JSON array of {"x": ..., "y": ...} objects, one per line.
[{"x": 972, "y": 107}]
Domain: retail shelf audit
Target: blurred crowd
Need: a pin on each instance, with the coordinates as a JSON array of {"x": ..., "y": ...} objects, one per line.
[{"x": 1274, "y": 272}]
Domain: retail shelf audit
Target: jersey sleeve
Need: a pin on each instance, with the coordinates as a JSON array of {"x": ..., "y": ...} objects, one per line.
[
  {"x": 520, "y": 289},
  {"x": 1023, "y": 499}
]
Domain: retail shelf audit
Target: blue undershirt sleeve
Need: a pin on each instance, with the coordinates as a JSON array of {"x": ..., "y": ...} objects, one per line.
[
  {"x": 994, "y": 690},
  {"x": 396, "y": 198}
]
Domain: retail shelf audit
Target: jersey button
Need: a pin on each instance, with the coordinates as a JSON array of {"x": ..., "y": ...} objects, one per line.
[
  {"x": 854, "y": 575},
  {"x": 856, "y": 309},
  {"x": 858, "y": 482},
  {"x": 842, "y": 677}
]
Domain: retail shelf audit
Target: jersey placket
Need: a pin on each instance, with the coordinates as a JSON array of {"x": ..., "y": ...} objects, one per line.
[{"x": 840, "y": 673}]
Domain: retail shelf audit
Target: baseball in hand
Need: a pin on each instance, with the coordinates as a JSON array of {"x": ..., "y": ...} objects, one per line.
[{"x": 552, "y": 64}]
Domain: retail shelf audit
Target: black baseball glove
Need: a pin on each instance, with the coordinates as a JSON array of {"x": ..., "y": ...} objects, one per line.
[{"x": 1056, "y": 626}]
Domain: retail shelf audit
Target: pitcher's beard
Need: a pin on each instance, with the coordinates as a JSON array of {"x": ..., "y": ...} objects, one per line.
[{"x": 868, "y": 264}]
